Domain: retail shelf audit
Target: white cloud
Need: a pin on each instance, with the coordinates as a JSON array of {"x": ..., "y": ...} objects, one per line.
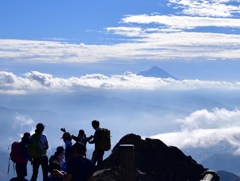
[
  {"x": 149, "y": 37},
  {"x": 22, "y": 121},
  {"x": 149, "y": 45},
  {"x": 40, "y": 82},
  {"x": 216, "y": 8},
  {"x": 182, "y": 22},
  {"x": 205, "y": 128}
]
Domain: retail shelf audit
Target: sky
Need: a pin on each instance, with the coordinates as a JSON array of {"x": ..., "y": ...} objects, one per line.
[
  {"x": 110, "y": 37},
  {"x": 73, "y": 46}
]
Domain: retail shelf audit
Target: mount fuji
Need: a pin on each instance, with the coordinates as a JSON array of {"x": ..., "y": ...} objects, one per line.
[{"x": 155, "y": 71}]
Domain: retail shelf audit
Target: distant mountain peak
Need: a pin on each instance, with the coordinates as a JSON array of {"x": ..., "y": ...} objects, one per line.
[{"x": 155, "y": 71}]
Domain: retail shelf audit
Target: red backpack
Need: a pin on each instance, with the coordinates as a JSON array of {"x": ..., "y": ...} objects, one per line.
[{"x": 15, "y": 154}]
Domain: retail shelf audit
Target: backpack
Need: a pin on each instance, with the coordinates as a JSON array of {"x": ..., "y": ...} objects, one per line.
[
  {"x": 105, "y": 143},
  {"x": 35, "y": 147},
  {"x": 16, "y": 153}
]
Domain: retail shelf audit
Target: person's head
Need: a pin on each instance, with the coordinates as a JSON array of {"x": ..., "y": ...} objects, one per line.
[
  {"x": 67, "y": 136},
  {"x": 26, "y": 136},
  {"x": 39, "y": 128},
  {"x": 95, "y": 124},
  {"x": 59, "y": 150},
  {"x": 81, "y": 133},
  {"x": 78, "y": 149}
]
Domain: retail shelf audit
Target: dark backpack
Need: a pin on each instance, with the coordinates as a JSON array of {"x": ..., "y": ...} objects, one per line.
[
  {"x": 16, "y": 154},
  {"x": 35, "y": 147},
  {"x": 105, "y": 143}
]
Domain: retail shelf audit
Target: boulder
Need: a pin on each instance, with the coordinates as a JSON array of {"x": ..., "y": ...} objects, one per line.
[{"x": 153, "y": 160}]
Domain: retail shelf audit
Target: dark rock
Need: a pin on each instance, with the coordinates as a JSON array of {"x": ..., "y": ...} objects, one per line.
[{"x": 153, "y": 161}]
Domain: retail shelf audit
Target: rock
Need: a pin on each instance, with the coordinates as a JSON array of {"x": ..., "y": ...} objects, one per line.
[{"x": 153, "y": 161}]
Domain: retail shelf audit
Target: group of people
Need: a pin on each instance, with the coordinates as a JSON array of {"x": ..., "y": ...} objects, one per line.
[{"x": 66, "y": 164}]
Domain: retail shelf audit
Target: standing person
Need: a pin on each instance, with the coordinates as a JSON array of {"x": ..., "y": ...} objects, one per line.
[
  {"x": 82, "y": 138},
  {"x": 67, "y": 139},
  {"x": 98, "y": 153},
  {"x": 37, "y": 150},
  {"x": 21, "y": 162},
  {"x": 79, "y": 168}
]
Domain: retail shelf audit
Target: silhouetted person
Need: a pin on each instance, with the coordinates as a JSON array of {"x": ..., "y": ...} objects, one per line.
[
  {"x": 21, "y": 163},
  {"x": 82, "y": 138},
  {"x": 79, "y": 168},
  {"x": 41, "y": 159},
  {"x": 98, "y": 153},
  {"x": 67, "y": 139},
  {"x": 59, "y": 158}
]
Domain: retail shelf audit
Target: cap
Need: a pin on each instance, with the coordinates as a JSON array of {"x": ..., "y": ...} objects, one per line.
[
  {"x": 66, "y": 135},
  {"x": 40, "y": 126}
]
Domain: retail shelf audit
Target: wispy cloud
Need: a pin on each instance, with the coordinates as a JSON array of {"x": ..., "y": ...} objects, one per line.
[
  {"x": 22, "y": 121},
  {"x": 182, "y": 22},
  {"x": 216, "y": 8},
  {"x": 40, "y": 82},
  {"x": 205, "y": 128}
]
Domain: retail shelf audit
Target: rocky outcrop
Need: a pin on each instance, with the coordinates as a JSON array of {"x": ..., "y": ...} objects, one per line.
[{"x": 153, "y": 161}]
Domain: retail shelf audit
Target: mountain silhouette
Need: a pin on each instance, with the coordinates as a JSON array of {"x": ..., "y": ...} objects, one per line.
[
  {"x": 227, "y": 176},
  {"x": 155, "y": 71}
]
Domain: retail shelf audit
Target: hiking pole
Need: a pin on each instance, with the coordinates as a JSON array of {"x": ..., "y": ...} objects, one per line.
[
  {"x": 8, "y": 165},
  {"x": 8, "y": 161}
]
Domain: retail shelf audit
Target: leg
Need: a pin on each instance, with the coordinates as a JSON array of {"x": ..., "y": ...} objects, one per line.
[
  {"x": 44, "y": 165},
  {"x": 100, "y": 154},
  {"x": 35, "y": 165},
  {"x": 94, "y": 157},
  {"x": 21, "y": 169}
]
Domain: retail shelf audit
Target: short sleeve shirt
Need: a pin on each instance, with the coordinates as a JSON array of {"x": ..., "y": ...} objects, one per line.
[{"x": 80, "y": 169}]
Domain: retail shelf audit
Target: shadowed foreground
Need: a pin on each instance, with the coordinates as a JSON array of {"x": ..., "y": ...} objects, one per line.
[{"x": 153, "y": 161}]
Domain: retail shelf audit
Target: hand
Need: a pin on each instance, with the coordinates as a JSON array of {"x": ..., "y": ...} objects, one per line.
[
  {"x": 55, "y": 172},
  {"x": 63, "y": 130}
]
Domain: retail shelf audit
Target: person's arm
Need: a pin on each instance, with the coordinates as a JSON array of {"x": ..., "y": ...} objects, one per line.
[
  {"x": 87, "y": 138},
  {"x": 75, "y": 138},
  {"x": 46, "y": 146},
  {"x": 91, "y": 139}
]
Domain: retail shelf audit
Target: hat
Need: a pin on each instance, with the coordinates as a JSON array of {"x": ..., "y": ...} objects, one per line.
[
  {"x": 60, "y": 149},
  {"x": 40, "y": 126},
  {"x": 66, "y": 135},
  {"x": 26, "y": 135}
]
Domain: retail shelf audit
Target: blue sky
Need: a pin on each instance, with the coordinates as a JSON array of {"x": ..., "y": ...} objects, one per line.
[{"x": 111, "y": 37}]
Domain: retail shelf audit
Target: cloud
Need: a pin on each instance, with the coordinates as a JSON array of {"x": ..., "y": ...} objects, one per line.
[
  {"x": 181, "y": 22},
  {"x": 149, "y": 44},
  {"x": 40, "y": 82},
  {"x": 22, "y": 121},
  {"x": 205, "y": 128},
  {"x": 215, "y": 8},
  {"x": 146, "y": 37}
]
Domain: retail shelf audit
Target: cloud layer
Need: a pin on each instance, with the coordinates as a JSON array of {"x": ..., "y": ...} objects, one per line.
[
  {"x": 205, "y": 128},
  {"x": 41, "y": 82}
]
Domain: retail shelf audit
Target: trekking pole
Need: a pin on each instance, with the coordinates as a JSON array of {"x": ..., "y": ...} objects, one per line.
[
  {"x": 8, "y": 165},
  {"x": 8, "y": 161}
]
